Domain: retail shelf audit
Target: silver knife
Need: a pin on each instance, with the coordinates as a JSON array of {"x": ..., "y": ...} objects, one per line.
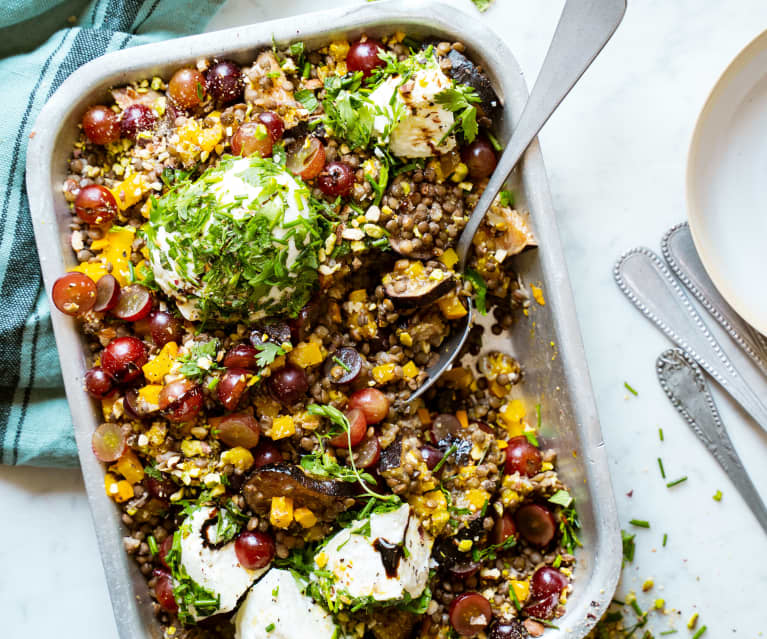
[
  {"x": 647, "y": 282},
  {"x": 679, "y": 252},
  {"x": 683, "y": 381}
]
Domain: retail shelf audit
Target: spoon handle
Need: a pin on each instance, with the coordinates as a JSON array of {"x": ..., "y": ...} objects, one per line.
[{"x": 584, "y": 28}]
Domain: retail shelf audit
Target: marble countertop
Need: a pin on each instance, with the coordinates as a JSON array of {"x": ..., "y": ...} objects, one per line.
[{"x": 616, "y": 154}]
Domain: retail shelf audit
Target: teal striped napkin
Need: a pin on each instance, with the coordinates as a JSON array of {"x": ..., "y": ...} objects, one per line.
[{"x": 35, "y": 424}]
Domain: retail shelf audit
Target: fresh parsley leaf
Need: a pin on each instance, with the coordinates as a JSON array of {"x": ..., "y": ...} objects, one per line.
[
  {"x": 568, "y": 525},
  {"x": 200, "y": 361},
  {"x": 628, "y": 546},
  {"x": 491, "y": 552},
  {"x": 151, "y": 471},
  {"x": 507, "y": 198},
  {"x": 307, "y": 99},
  {"x": 267, "y": 353},
  {"x": 460, "y": 99},
  {"x": 296, "y": 50},
  {"x": 480, "y": 289},
  {"x": 230, "y": 522},
  {"x": 482, "y": 5}
]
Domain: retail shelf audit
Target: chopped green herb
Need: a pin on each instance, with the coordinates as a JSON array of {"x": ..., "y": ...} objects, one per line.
[
  {"x": 441, "y": 462},
  {"x": 568, "y": 524},
  {"x": 557, "y": 561},
  {"x": 699, "y": 633},
  {"x": 151, "y": 471},
  {"x": 717, "y": 496},
  {"x": 491, "y": 552},
  {"x": 630, "y": 389},
  {"x": 515, "y": 599},
  {"x": 296, "y": 50},
  {"x": 494, "y": 141},
  {"x": 665, "y": 539},
  {"x": 480, "y": 289},
  {"x": 548, "y": 624},
  {"x": 669, "y": 632},
  {"x": 460, "y": 99},
  {"x": 200, "y": 92},
  {"x": 531, "y": 438},
  {"x": 641, "y": 523},
  {"x": 267, "y": 353},
  {"x": 482, "y": 5},
  {"x": 307, "y": 99},
  {"x": 561, "y": 498},
  {"x": 671, "y": 484},
  {"x": 660, "y": 465},
  {"x": 152, "y": 543},
  {"x": 660, "y": 433},
  {"x": 200, "y": 360},
  {"x": 269, "y": 628},
  {"x": 635, "y": 605},
  {"x": 507, "y": 198},
  {"x": 342, "y": 364},
  {"x": 191, "y": 597},
  {"x": 629, "y": 548}
]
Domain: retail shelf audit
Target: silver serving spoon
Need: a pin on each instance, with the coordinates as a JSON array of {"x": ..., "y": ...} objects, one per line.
[{"x": 584, "y": 28}]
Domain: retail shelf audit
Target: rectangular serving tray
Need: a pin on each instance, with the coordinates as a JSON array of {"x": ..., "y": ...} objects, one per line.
[{"x": 547, "y": 341}]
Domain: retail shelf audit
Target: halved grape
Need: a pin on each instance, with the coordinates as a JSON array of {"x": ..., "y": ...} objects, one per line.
[
  {"x": 480, "y": 158},
  {"x": 364, "y": 56},
  {"x": 445, "y": 425},
  {"x": 163, "y": 590},
  {"x": 372, "y": 402},
  {"x": 507, "y": 629},
  {"x": 542, "y": 608},
  {"x": 344, "y": 365},
  {"x": 288, "y": 384},
  {"x": 273, "y": 122},
  {"x": 504, "y": 528},
  {"x": 266, "y": 453},
  {"x": 134, "y": 303},
  {"x": 308, "y": 159},
  {"x": 337, "y": 178},
  {"x": 237, "y": 429},
  {"x": 98, "y": 383},
  {"x": 547, "y": 581},
  {"x": 164, "y": 549},
  {"x": 357, "y": 429},
  {"x": 232, "y": 386},
  {"x": 164, "y": 328},
  {"x": 431, "y": 456},
  {"x": 123, "y": 358},
  {"x": 181, "y": 400},
  {"x": 224, "y": 81},
  {"x": 187, "y": 88},
  {"x": 252, "y": 138},
  {"x": 536, "y": 524},
  {"x": 96, "y": 204},
  {"x": 100, "y": 125},
  {"x": 107, "y": 293},
  {"x": 470, "y": 613},
  {"x": 522, "y": 457},
  {"x": 368, "y": 452},
  {"x": 136, "y": 118},
  {"x": 109, "y": 442},
  {"x": 241, "y": 356},
  {"x": 74, "y": 293},
  {"x": 254, "y": 549}
]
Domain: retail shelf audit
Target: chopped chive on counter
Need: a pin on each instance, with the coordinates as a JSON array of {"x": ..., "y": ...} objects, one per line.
[
  {"x": 660, "y": 433},
  {"x": 665, "y": 539},
  {"x": 635, "y": 605},
  {"x": 630, "y": 389},
  {"x": 699, "y": 633},
  {"x": 618, "y": 602},
  {"x": 669, "y": 632},
  {"x": 641, "y": 523},
  {"x": 660, "y": 465},
  {"x": 270, "y": 627},
  {"x": 671, "y": 484},
  {"x": 717, "y": 496}
]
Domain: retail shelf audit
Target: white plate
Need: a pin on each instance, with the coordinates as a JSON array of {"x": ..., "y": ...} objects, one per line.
[{"x": 727, "y": 184}]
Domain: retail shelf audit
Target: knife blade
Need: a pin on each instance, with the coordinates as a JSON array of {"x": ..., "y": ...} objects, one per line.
[{"x": 685, "y": 385}]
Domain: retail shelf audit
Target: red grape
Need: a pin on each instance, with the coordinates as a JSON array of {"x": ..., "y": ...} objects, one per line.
[
  {"x": 431, "y": 456},
  {"x": 95, "y": 204},
  {"x": 163, "y": 590},
  {"x": 273, "y": 123},
  {"x": 372, "y": 402},
  {"x": 241, "y": 356},
  {"x": 266, "y": 453},
  {"x": 254, "y": 549},
  {"x": 181, "y": 400},
  {"x": 161, "y": 489},
  {"x": 164, "y": 549},
  {"x": 187, "y": 88},
  {"x": 445, "y": 425},
  {"x": 237, "y": 429},
  {"x": 470, "y": 613},
  {"x": 164, "y": 328},
  {"x": 308, "y": 160},
  {"x": 231, "y": 386},
  {"x": 134, "y": 303},
  {"x": 504, "y": 528},
  {"x": 224, "y": 81},
  {"x": 363, "y": 56},
  {"x": 357, "y": 429},
  {"x": 136, "y": 118},
  {"x": 507, "y": 629},
  {"x": 367, "y": 453},
  {"x": 536, "y": 524},
  {"x": 464, "y": 569},
  {"x": 252, "y": 138},
  {"x": 547, "y": 581},
  {"x": 542, "y": 608},
  {"x": 301, "y": 325},
  {"x": 98, "y": 383},
  {"x": 74, "y": 293},
  {"x": 479, "y": 157},
  {"x": 522, "y": 457},
  {"x": 337, "y": 178},
  {"x": 109, "y": 442},
  {"x": 107, "y": 293},
  {"x": 348, "y": 370},
  {"x": 100, "y": 125},
  {"x": 123, "y": 358},
  {"x": 288, "y": 384}
]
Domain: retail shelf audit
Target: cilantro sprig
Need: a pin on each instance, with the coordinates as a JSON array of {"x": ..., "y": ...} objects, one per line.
[
  {"x": 460, "y": 99},
  {"x": 200, "y": 360},
  {"x": 480, "y": 289}
]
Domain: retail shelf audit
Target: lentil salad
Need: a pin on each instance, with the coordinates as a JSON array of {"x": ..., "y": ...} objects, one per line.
[{"x": 212, "y": 402}]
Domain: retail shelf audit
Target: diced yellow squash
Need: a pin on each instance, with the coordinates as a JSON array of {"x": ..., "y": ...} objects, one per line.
[
  {"x": 501, "y": 444},
  {"x": 151, "y": 393},
  {"x": 431, "y": 507},
  {"x": 415, "y": 269},
  {"x": 305, "y": 517},
  {"x": 497, "y": 390},
  {"x": 307, "y": 421},
  {"x": 521, "y": 589},
  {"x": 267, "y": 406},
  {"x": 321, "y": 560},
  {"x": 451, "y": 307},
  {"x": 410, "y": 370},
  {"x": 360, "y": 295},
  {"x": 94, "y": 270},
  {"x": 425, "y": 416},
  {"x": 107, "y": 406},
  {"x": 192, "y": 134},
  {"x": 278, "y": 362},
  {"x": 449, "y": 258},
  {"x": 463, "y": 418},
  {"x": 118, "y": 489},
  {"x": 130, "y": 190},
  {"x": 538, "y": 295},
  {"x": 339, "y": 49},
  {"x": 282, "y": 427},
  {"x": 384, "y": 373},
  {"x": 159, "y": 366},
  {"x": 281, "y": 512},
  {"x": 116, "y": 248},
  {"x": 405, "y": 339},
  {"x": 241, "y": 458},
  {"x": 129, "y": 467},
  {"x": 476, "y": 497},
  {"x": 306, "y": 354},
  {"x": 334, "y": 312},
  {"x": 511, "y": 417}
]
